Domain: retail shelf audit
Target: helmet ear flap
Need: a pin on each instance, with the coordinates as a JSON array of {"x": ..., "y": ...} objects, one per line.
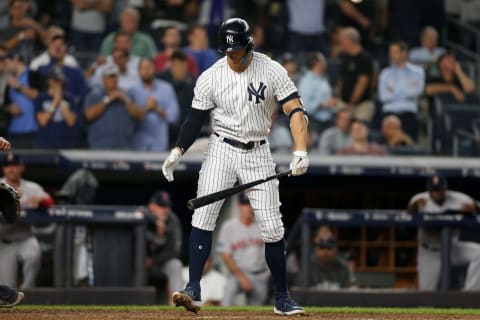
[{"x": 250, "y": 46}]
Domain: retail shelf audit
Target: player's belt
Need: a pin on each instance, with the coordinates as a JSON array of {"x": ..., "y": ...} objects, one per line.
[
  {"x": 430, "y": 248},
  {"x": 240, "y": 145}
]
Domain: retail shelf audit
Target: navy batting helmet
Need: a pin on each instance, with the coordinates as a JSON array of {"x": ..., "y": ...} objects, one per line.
[{"x": 234, "y": 34}]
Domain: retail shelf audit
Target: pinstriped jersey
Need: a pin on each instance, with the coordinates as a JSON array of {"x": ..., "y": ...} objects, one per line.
[{"x": 241, "y": 104}]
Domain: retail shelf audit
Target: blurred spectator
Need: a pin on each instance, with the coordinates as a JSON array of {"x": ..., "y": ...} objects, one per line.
[
  {"x": 56, "y": 114},
  {"x": 18, "y": 244},
  {"x": 4, "y": 14},
  {"x": 360, "y": 145},
  {"x": 159, "y": 106},
  {"x": 306, "y": 26},
  {"x": 171, "y": 40},
  {"x": 164, "y": 237},
  {"x": 400, "y": 86},
  {"x": 113, "y": 17},
  {"x": 243, "y": 251},
  {"x": 178, "y": 10},
  {"x": 429, "y": 51},
  {"x": 356, "y": 76},
  {"x": 362, "y": 15},
  {"x": 316, "y": 92},
  {"x": 327, "y": 270},
  {"x": 121, "y": 57},
  {"x": 23, "y": 34},
  {"x": 75, "y": 84},
  {"x": 280, "y": 139},
  {"x": 198, "y": 48},
  {"x": 290, "y": 63},
  {"x": 4, "y": 98},
  {"x": 183, "y": 83},
  {"x": 393, "y": 134},
  {"x": 439, "y": 200},
  {"x": 142, "y": 43},
  {"x": 258, "y": 35},
  {"x": 21, "y": 92},
  {"x": 89, "y": 23},
  {"x": 338, "y": 136},
  {"x": 55, "y": 51},
  {"x": 111, "y": 114},
  {"x": 452, "y": 80}
]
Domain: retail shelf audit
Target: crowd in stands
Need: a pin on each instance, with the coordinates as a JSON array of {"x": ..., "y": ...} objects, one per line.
[{"x": 120, "y": 74}]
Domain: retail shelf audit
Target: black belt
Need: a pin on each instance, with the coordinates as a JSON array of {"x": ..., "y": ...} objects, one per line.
[
  {"x": 255, "y": 272},
  {"x": 240, "y": 145}
]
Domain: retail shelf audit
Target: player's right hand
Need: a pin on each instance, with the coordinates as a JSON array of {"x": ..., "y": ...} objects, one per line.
[
  {"x": 299, "y": 164},
  {"x": 170, "y": 163}
]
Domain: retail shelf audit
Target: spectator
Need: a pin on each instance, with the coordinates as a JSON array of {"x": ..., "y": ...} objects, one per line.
[
  {"x": 258, "y": 35},
  {"x": 164, "y": 237},
  {"x": 75, "y": 84},
  {"x": 21, "y": 92},
  {"x": 316, "y": 92},
  {"x": 439, "y": 200},
  {"x": 392, "y": 133},
  {"x": 399, "y": 88},
  {"x": 54, "y": 52},
  {"x": 198, "y": 48},
  {"x": 23, "y": 34},
  {"x": 57, "y": 114},
  {"x": 18, "y": 244},
  {"x": 4, "y": 99},
  {"x": 121, "y": 57},
  {"x": 360, "y": 145},
  {"x": 171, "y": 40},
  {"x": 338, "y": 136},
  {"x": 327, "y": 270},
  {"x": 306, "y": 26},
  {"x": 290, "y": 63},
  {"x": 111, "y": 114},
  {"x": 428, "y": 53},
  {"x": 452, "y": 80},
  {"x": 159, "y": 105},
  {"x": 142, "y": 43},
  {"x": 357, "y": 76},
  {"x": 242, "y": 249},
  {"x": 183, "y": 83},
  {"x": 89, "y": 22}
]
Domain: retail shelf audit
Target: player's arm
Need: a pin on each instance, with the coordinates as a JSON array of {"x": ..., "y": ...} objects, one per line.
[
  {"x": 359, "y": 89},
  {"x": 245, "y": 283}
]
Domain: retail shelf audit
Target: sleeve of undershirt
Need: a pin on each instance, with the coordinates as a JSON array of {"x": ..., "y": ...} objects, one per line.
[{"x": 202, "y": 99}]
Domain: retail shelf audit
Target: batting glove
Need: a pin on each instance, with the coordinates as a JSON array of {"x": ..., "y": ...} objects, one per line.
[
  {"x": 170, "y": 163},
  {"x": 299, "y": 164}
]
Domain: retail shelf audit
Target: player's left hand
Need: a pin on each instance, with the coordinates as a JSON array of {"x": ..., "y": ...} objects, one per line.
[
  {"x": 170, "y": 163},
  {"x": 299, "y": 164}
]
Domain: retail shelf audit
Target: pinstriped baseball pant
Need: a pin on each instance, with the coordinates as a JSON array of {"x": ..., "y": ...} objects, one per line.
[{"x": 222, "y": 166}]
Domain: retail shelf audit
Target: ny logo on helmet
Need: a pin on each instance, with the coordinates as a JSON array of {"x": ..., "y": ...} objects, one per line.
[
  {"x": 229, "y": 38},
  {"x": 258, "y": 93}
]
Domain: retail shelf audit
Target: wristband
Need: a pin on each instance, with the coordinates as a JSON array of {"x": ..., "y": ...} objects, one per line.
[{"x": 106, "y": 100}]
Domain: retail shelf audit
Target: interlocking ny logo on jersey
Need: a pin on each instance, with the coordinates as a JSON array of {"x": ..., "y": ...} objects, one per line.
[
  {"x": 229, "y": 38},
  {"x": 258, "y": 93}
]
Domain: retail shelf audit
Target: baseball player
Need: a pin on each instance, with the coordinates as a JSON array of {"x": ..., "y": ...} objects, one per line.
[
  {"x": 437, "y": 199},
  {"x": 240, "y": 92},
  {"x": 243, "y": 251},
  {"x": 8, "y": 296}
]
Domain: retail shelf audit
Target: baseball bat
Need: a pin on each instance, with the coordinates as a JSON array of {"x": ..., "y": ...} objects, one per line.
[{"x": 222, "y": 194}]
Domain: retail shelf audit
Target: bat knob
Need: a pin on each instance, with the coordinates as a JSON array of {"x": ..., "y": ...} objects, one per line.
[{"x": 190, "y": 205}]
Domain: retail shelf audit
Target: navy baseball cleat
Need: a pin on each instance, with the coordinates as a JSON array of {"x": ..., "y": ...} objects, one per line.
[
  {"x": 286, "y": 306},
  {"x": 8, "y": 304},
  {"x": 189, "y": 298}
]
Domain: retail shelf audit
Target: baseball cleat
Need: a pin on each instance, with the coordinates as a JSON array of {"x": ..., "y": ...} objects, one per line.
[
  {"x": 9, "y": 304},
  {"x": 286, "y": 306},
  {"x": 188, "y": 299}
]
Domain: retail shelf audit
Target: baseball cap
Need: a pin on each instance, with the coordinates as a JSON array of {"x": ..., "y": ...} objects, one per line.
[
  {"x": 109, "y": 70},
  {"x": 56, "y": 73},
  {"x": 11, "y": 159},
  {"x": 437, "y": 182},
  {"x": 161, "y": 198},
  {"x": 243, "y": 199}
]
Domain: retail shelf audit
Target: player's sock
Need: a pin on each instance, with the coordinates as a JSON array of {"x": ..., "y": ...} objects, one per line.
[
  {"x": 200, "y": 246},
  {"x": 275, "y": 256}
]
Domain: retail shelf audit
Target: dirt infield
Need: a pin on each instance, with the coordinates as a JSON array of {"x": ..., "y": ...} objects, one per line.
[{"x": 19, "y": 314}]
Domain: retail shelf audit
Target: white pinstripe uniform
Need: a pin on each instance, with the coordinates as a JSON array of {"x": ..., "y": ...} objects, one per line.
[{"x": 241, "y": 106}]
